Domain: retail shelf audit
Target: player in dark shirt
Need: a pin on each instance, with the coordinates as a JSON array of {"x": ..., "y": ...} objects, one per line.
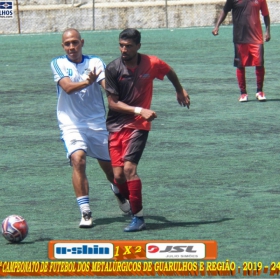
[
  {"x": 248, "y": 40},
  {"x": 129, "y": 88}
]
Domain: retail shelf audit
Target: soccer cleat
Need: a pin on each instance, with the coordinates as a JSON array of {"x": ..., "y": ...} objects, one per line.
[
  {"x": 136, "y": 224},
  {"x": 122, "y": 201},
  {"x": 243, "y": 97},
  {"x": 260, "y": 96},
  {"x": 86, "y": 220}
]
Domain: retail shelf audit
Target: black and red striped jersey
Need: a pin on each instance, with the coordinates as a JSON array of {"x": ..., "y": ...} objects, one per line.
[
  {"x": 247, "y": 27},
  {"x": 133, "y": 87}
]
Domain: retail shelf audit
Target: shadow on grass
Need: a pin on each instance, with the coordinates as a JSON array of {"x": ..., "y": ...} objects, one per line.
[
  {"x": 167, "y": 224},
  {"x": 267, "y": 100},
  {"x": 164, "y": 223},
  {"x": 28, "y": 242},
  {"x": 273, "y": 100}
]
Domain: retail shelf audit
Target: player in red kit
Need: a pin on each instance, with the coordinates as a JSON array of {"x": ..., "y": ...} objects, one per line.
[
  {"x": 248, "y": 40},
  {"x": 129, "y": 88}
]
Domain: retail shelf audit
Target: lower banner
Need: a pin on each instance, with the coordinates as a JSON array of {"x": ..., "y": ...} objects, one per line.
[{"x": 117, "y": 258}]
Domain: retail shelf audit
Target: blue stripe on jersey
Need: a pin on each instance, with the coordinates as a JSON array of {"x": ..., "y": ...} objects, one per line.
[{"x": 54, "y": 62}]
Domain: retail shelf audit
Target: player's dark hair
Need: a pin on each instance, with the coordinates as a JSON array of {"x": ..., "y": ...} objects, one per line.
[{"x": 131, "y": 34}]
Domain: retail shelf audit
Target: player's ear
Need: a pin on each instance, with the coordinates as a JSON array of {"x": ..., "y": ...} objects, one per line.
[
  {"x": 82, "y": 42},
  {"x": 139, "y": 46}
]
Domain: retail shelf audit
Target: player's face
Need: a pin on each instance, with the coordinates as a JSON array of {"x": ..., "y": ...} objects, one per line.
[
  {"x": 129, "y": 49},
  {"x": 72, "y": 44}
]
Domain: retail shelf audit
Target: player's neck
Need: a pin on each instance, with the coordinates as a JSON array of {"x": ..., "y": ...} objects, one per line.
[{"x": 133, "y": 63}]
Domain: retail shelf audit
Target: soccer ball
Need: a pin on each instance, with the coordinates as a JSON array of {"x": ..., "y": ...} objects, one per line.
[{"x": 14, "y": 228}]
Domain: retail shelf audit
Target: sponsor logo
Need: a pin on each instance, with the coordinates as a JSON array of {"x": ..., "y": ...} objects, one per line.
[
  {"x": 145, "y": 76},
  {"x": 73, "y": 142},
  {"x": 6, "y": 10},
  {"x": 83, "y": 250},
  {"x": 175, "y": 250}
]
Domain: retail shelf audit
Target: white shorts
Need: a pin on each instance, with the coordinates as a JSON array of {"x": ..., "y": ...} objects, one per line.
[{"x": 93, "y": 142}]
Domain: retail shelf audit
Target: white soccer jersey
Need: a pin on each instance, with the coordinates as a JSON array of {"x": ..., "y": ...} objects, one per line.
[{"x": 84, "y": 108}]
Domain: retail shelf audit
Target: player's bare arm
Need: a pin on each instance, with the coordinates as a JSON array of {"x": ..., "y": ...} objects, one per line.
[
  {"x": 69, "y": 86},
  {"x": 102, "y": 83},
  {"x": 182, "y": 95},
  {"x": 267, "y": 28},
  {"x": 119, "y": 106},
  {"x": 221, "y": 18}
]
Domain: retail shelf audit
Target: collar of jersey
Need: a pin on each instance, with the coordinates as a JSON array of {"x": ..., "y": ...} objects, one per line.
[{"x": 83, "y": 58}]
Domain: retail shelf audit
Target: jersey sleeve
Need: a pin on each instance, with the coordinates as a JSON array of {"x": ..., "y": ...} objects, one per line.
[
  {"x": 162, "y": 69},
  {"x": 264, "y": 8},
  {"x": 228, "y": 6},
  {"x": 111, "y": 85},
  {"x": 58, "y": 70},
  {"x": 99, "y": 65}
]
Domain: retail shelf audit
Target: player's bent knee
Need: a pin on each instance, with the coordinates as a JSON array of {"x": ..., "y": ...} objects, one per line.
[{"x": 120, "y": 178}]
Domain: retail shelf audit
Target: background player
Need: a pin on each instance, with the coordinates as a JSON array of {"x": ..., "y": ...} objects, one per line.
[
  {"x": 129, "y": 87},
  {"x": 248, "y": 40},
  {"x": 81, "y": 117}
]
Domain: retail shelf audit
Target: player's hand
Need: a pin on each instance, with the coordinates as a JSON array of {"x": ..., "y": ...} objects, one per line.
[
  {"x": 93, "y": 75},
  {"x": 183, "y": 98},
  {"x": 215, "y": 31},
  {"x": 267, "y": 37},
  {"x": 148, "y": 114}
]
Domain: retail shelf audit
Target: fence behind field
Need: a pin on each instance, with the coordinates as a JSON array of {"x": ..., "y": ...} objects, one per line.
[{"x": 56, "y": 15}]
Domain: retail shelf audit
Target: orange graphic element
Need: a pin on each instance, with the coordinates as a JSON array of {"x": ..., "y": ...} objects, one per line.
[
  {"x": 129, "y": 259},
  {"x": 136, "y": 250}
]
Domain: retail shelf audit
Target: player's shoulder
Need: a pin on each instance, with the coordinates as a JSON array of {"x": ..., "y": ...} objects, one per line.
[
  {"x": 59, "y": 59},
  {"x": 92, "y": 57},
  {"x": 153, "y": 59},
  {"x": 114, "y": 64},
  {"x": 148, "y": 56}
]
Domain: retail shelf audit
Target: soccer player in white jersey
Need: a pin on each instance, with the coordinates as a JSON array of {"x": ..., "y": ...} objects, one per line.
[{"x": 81, "y": 117}]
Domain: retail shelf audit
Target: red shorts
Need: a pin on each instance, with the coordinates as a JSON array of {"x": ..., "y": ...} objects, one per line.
[
  {"x": 127, "y": 145},
  {"x": 248, "y": 55}
]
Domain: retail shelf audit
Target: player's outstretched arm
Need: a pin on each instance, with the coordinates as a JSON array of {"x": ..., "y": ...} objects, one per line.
[
  {"x": 182, "y": 95},
  {"x": 221, "y": 18}
]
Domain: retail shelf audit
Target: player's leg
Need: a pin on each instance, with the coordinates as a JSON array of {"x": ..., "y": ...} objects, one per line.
[
  {"x": 134, "y": 147},
  {"x": 257, "y": 52},
  {"x": 260, "y": 72},
  {"x": 76, "y": 148},
  {"x": 81, "y": 187},
  {"x": 240, "y": 58},
  {"x": 116, "y": 150},
  {"x": 79, "y": 178},
  {"x": 98, "y": 148},
  {"x": 121, "y": 199},
  {"x": 241, "y": 79},
  {"x": 120, "y": 181},
  {"x": 134, "y": 184}
]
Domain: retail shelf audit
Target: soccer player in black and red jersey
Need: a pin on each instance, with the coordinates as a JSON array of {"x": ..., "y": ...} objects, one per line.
[
  {"x": 129, "y": 88},
  {"x": 248, "y": 40}
]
